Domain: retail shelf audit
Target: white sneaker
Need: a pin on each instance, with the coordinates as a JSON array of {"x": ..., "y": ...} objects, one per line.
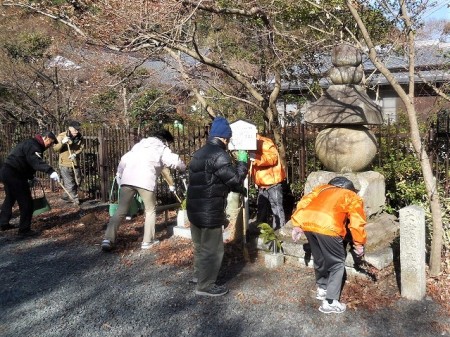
[
  {"x": 193, "y": 280},
  {"x": 148, "y": 245},
  {"x": 107, "y": 245},
  {"x": 334, "y": 308},
  {"x": 321, "y": 294}
]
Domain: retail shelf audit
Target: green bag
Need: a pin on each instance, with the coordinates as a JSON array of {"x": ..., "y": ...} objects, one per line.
[
  {"x": 40, "y": 204},
  {"x": 136, "y": 203}
]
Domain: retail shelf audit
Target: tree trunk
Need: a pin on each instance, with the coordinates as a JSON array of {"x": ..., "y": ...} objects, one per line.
[{"x": 419, "y": 148}]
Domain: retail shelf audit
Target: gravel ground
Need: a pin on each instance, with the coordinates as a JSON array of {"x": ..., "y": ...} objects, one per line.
[{"x": 60, "y": 288}]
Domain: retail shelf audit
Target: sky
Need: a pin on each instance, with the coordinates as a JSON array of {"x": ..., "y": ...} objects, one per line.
[{"x": 440, "y": 11}]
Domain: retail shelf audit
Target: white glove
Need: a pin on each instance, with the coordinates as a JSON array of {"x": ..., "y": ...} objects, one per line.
[
  {"x": 72, "y": 156},
  {"x": 54, "y": 176},
  {"x": 296, "y": 233},
  {"x": 118, "y": 179},
  {"x": 65, "y": 140},
  {"x": 181, "y": 166},
  {"x": 172, "y": 188}
]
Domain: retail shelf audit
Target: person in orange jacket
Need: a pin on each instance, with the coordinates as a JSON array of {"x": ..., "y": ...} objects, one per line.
[
  {"x": 324, "y": 215},
  {"x": 268, "y": 174}
]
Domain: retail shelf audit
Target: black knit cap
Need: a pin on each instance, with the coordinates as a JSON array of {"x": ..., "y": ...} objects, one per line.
[
  {"x": 343, "y": 182},
  {"x": 50, "y": 135},
  {"x": 76, "y": 125},
  {"x": 164, "y": 135}
]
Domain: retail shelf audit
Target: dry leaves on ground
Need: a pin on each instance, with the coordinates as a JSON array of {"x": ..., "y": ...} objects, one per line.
[{"x": 67, "y": 222}]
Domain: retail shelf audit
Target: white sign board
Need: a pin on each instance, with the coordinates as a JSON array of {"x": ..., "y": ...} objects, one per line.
[{"x": 244, "y": 136}]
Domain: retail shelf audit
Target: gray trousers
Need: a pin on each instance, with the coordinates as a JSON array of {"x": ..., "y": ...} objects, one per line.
[
  {"x": 270, "y": 200},
  {"x": 208, "y": 255},
  {"x": 329, "y": 262},
  {"x": 125, "y": 197},
  {"x": 69, "y": 181}
]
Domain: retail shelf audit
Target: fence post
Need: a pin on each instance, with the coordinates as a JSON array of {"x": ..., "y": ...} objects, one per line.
[{"x": 102, "y": 164}]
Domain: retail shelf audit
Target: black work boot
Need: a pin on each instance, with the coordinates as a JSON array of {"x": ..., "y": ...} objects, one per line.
[
  {"x": 6, "y": 226},
  {"x": 27, "y": 233}
]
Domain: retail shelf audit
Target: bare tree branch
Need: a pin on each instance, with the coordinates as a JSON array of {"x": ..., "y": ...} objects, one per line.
[{"x": 54, "y": 17}]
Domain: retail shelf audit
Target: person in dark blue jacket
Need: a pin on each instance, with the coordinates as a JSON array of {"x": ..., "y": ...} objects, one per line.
[
  {"x": 212, "y": 175},
  {"x": 16, "y": 173}
]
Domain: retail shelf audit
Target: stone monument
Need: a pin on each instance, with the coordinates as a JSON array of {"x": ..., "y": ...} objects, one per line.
[{"x": 346, "y": 147}]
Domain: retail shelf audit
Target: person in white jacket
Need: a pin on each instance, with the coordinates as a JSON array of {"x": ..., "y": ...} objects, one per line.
[{"x": 138, "y": 171}]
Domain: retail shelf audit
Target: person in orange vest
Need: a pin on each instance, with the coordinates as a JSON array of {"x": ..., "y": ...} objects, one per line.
[
  {"x": 268, "y": 174},
  {"x": 324, "y": 216}
]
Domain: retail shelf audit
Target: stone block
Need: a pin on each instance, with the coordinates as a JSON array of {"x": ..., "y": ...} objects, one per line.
[
  {"x": 185, "y": 232},
  {"x": 380, "y": 259},
  {"x": 181, "y": 231},
  {"x": 412, "y": 252},
  {"x": 370, "y": 183},
  {"x": 273, "y": 260},
  {"x": 381, "y": 231}
]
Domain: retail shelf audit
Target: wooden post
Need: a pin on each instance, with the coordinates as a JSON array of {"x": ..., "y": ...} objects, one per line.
[{"x": 103, "y": 165}]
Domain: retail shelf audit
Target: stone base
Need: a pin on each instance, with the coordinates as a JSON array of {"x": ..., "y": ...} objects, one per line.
[
  {"x": 382, "y": 231},
  {"x": 181, "y": 231},
  {"x": 273, "y": 260},
  {"x": 370, "y": 183},
  {"x": 185, "y": 232}
]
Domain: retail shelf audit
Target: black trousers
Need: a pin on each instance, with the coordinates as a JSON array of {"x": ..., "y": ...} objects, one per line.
[{"x": 16, "y": 189}]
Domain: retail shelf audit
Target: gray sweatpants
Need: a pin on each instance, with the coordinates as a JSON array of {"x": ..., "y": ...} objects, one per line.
[
  {"x": 329, "y": 262},
  {"x": 69, "y": 181}
]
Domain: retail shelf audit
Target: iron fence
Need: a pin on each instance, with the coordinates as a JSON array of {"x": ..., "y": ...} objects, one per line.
[{"x": 104, "y": 147}]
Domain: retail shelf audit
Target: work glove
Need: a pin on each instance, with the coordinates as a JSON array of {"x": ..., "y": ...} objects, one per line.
[
  {"x": 65, "y": 140},
  {"x": 242, "y": 156},
  {"x": 243, "y": 191},
  {"x": 297, "y": 233},
  {"x": 54, "y": 176},
  {"x": 358, "y": 250},
  {"x": 172, "y": 188},
  {"x": 33, "y": 182},
  {"x": 72, "y": 156},
  {"x": 181, "y": 166}
]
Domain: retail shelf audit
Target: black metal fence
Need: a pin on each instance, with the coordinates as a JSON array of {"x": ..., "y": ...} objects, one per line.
[{"x": 105, "y": 146}]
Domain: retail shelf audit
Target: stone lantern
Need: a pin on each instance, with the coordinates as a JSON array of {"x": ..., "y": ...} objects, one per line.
[{"x": 346, "y": 146}]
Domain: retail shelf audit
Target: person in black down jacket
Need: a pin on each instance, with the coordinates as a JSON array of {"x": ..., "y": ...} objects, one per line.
[
  {"x": 17, "y": 172},
  {"x": 212, "y": 176}
]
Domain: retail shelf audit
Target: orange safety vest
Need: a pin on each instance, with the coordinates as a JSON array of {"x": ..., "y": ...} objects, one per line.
[
  {"x": 267, "y": 169},
  {"x": 327, "y": 209}
]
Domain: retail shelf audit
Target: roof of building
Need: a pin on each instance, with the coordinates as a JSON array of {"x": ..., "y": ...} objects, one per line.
[{"x": 432, "y": 59}]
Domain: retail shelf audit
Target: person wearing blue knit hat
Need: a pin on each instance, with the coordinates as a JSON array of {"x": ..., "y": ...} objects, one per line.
[
  {"x": 212, "y": 175},
  {"x": 220, "y": 128}
]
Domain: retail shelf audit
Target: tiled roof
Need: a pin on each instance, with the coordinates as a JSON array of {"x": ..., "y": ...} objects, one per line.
[{"x": 432, "y": 61}]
